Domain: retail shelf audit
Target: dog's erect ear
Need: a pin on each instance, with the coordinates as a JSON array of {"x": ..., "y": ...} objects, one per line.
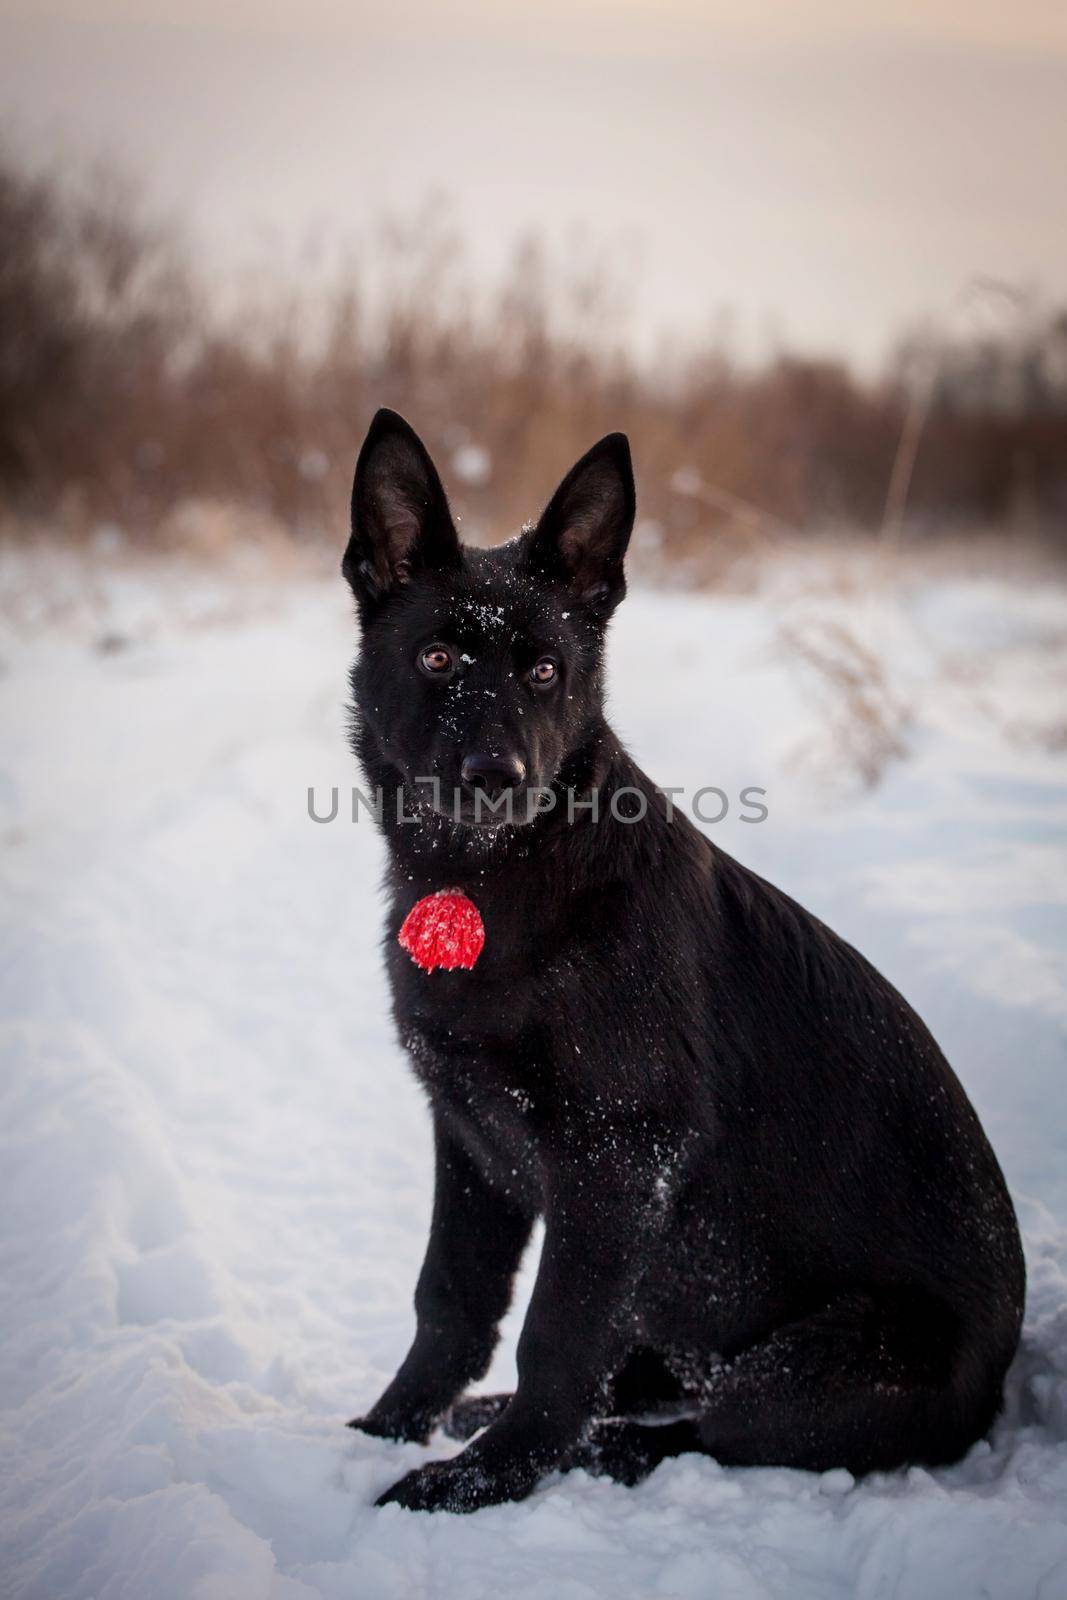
[
  {"x": 400, "y": 516},
  {"x": 585, "y": 528}
]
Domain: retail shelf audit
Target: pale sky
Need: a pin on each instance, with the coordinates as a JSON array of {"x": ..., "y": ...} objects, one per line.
[{"x": 825, "y": 170}]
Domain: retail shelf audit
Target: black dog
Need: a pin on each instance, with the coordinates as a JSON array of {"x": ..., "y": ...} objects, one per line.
[{"x": 774, "y": 1229}]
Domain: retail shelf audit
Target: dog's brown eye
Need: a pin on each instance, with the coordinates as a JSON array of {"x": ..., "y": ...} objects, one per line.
[
  {"x": 544, "y": 671},
  {"x": 436, "y": 660}
]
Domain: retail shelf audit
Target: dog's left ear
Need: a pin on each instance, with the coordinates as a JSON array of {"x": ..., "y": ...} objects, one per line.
[
  {"x": 585, "y": 528},
  {"x": 400, "y": 516}
]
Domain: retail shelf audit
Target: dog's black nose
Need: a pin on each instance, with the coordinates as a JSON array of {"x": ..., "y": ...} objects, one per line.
[{"x": 494, "y": 774}]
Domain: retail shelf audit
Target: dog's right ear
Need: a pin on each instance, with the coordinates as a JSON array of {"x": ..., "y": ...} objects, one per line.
[{"x": 400, "y": 516}]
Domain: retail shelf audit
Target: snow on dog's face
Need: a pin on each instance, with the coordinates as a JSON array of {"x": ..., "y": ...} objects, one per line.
[{"x": 479, "y": 673}]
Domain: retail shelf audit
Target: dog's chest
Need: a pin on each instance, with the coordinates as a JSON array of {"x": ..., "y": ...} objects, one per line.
[{"x": 493, "y": 1092}]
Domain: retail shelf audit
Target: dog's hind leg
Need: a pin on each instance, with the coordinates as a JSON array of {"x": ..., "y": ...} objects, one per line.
[{"x": 869, "y": 1383}]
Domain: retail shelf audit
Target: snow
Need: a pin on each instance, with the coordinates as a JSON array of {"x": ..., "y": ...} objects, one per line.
[{"x": 216, "y": 1168}]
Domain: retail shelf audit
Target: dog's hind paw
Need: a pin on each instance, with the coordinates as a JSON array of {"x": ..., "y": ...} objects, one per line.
[
  {"x": 472, "y": 1413},
  {"x": 628, "y": 1451}
]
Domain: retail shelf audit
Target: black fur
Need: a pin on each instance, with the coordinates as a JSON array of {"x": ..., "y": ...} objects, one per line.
[{"x": 775, "y": 1230}]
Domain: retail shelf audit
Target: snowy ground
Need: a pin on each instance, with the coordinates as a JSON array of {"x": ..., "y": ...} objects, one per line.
[{"x": 216, "y": 1171}]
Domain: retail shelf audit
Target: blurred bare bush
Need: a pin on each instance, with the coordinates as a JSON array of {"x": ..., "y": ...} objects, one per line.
[
  {"x": 864, "y": 720},
  {"x": 128, "y": 394}
]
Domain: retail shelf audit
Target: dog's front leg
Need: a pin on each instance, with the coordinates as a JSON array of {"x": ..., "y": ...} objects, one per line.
[
  {"x": 477, "y": 1237},
  {"x": 599, "y": 1228}
]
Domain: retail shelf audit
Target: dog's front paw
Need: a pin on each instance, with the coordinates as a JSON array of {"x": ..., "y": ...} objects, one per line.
[
  {"x": 456, "y": 1485},
  {"x": 410, "y": 1429}
]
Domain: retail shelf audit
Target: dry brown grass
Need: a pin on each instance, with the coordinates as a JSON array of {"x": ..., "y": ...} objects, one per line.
[{"x": 125, "y": 393}]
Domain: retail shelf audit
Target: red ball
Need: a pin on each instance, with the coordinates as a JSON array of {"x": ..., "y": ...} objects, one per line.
[{"x": 443, "y": 930}]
